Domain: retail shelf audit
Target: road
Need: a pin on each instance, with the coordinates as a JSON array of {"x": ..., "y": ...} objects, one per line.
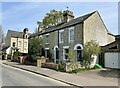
[{"x": 16, "y": 77}]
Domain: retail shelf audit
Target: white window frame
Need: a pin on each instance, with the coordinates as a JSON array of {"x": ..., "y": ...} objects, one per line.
[
  {"x": 25, "y": 44},
  {"x": 71, "y": 28},
  {"x": 19, "y": 43},
  {"x": 46, "y": 49},
  {"x": 61, "y": 31},
  {"x": 64, "y": 47},
  {"x": 47, "y": 39}
]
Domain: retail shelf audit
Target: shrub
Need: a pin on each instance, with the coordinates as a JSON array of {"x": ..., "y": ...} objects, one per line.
[
  {"x": 15, "y": 56},
  {"x": 61, "y": 67},
  {"x": 42, "y": 57},
  {"x": 3, "y": 55},
  {"x": 90, "y": 49}
]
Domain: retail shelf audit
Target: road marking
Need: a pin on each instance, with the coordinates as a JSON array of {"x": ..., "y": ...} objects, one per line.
[{"x": 36, "y": 75}]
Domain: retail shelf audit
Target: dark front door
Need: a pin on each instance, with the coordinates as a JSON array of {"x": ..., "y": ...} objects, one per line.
[
  {"x": 57, "y": 53},
  {"x": 66, "y": 53},
  {"x": 79, "y": 53}
]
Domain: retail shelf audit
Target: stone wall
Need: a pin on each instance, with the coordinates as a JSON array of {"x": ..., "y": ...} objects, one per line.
[
  {"x": 95, "y": 29},
  {"x": 111, "y": 38}
]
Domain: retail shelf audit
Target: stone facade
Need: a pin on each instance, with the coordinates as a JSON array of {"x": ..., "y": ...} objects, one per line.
[
  {"x": 95, "y": 29},
  {"x": 85, "y": 28}
]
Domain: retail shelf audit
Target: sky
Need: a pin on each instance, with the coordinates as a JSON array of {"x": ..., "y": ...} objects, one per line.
[{"x": 18, "y": 15}]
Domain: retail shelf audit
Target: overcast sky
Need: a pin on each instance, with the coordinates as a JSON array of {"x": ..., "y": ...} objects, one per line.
[{"x": 18, "y": 15}]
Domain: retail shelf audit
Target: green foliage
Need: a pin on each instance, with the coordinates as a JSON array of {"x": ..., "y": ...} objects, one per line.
[
  {"x": 35, "y": 48},
  {"x": 42, "y": 57},
  {"x": 71, "y": 55},
  {"x": 80, "y": 70},
  {"x": 54, "y": 17},
  {"x": 90, "y": 48},
  {"x": 61, "y": 67},
  {"x": 15, "y": 56},
  {"x": 3, "y": 54}
]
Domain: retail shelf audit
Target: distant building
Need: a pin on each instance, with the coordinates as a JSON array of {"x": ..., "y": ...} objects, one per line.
[{"x": 16, "y": 41}]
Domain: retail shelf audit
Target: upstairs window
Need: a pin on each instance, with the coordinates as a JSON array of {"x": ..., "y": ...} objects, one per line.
[
  {"x": 19, "y": 43},
  {"x": 47, "y": 35},
  {"x": 25, "y": 43},
  {"x": 61, "y": 36},
  {"x": 71, "y": 34},
  {"x": 13, "y": 44}
]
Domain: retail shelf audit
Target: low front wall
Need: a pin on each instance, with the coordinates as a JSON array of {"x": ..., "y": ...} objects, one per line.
[{"x": 70, "y": 66}]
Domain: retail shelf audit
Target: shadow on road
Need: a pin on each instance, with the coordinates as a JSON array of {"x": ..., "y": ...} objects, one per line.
[{"x": 111, "y": 73}]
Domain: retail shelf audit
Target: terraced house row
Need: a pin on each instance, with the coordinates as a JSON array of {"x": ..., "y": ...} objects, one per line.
[{"x": 73, "y": 31}]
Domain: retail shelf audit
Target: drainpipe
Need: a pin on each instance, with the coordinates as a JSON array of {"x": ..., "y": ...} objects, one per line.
[
  {"x": 58, "y": 45},
  {"x": 58, "y": 38}
]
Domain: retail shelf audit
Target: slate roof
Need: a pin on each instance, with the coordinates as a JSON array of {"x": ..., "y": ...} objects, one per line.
[
  {"x": 15, "y": 34},
  {"x": 5, "y": 48},
  {"x": 65, "y": 25},
  {"x": 112, "y": 44}
]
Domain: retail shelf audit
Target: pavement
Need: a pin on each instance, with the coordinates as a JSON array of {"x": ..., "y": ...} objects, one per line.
[{"x": 101, "y": 77}]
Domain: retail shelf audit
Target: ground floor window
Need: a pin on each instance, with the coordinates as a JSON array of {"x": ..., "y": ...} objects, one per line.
[
  {"x": 47, "y": 53},
  {"x": 65, "y": 52}
]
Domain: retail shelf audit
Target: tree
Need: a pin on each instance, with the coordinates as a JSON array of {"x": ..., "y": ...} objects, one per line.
[
  {"x": 72, "y": 54},
  {"x": 35, "y": 48},
  {"x": 53, "y": 18},
  {"x": 90, "y": 49}
]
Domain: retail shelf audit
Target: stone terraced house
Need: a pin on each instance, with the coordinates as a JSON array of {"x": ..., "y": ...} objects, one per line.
[{"x": 75, "y": 31}]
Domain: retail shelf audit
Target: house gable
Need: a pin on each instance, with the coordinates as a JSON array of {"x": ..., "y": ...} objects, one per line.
[{"x": 95, "y": 29}]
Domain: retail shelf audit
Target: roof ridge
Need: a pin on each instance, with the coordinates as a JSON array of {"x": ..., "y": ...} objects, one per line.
[{"x": 15, "y": 31}]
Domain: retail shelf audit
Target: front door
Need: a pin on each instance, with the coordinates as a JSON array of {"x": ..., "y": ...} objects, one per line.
[
  {"x": 79, "y": 53},
  {"x": 56, "y": 55},
  {"x": 66, "y": 53}
]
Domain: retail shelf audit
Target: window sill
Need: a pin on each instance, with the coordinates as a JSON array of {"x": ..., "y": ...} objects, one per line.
[
  {"x": 71, "y": 41},
  {"x": 47, "y": 43},
  {"x": 61, "y": 42}
]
